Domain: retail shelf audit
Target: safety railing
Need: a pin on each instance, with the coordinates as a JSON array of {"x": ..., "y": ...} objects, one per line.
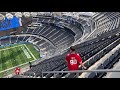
[
  {"x": 78, "y": 71},
  {"x": 30, "y": 74}
]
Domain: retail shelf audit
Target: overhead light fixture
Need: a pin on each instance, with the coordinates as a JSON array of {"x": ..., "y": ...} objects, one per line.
[
  {"x": 26, "y": 14},
  {"x": 33, "y": 13},
  {"x": 9, "y": 16},
  {"x": 2, "y": 17},
  {"x": 18, "y": 14}
]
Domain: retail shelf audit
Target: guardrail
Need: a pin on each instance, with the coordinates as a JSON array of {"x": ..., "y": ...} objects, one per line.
[{"x": 79, "y": 71}]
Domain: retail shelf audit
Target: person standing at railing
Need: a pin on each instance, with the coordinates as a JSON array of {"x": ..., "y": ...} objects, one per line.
[
  {"x": 30, "y": 65},
  {"x": 74, "y": 60}
]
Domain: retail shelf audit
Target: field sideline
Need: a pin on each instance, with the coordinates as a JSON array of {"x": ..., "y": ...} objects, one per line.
[{"x": 15, "y": 55}]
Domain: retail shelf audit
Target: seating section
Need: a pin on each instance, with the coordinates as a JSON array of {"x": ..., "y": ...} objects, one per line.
[
  {"x": 73, "y": 25},
  {"x": 98, "y": 38},
  {"x": 104, "y": 22},
  {"x": 105, "y": 62},
  {"x": 58, "y": 36}
]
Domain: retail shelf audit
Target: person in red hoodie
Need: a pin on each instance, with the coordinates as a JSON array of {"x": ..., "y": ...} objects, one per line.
[
  {"x": 74, "y": 60},
  {"x": 17, "y": 71}
]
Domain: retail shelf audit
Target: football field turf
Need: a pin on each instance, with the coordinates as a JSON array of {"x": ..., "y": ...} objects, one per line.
[{"x": 12, "y": 56}]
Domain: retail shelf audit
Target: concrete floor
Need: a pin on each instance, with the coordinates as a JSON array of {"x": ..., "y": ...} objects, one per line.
[{"x": 114, "y": 74}]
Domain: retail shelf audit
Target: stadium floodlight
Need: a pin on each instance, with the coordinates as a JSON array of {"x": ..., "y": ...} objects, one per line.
[
  {"x": 2, "y": 17},
  {"x": 41, "y": 13},
  {"x": 26, "y": 14},
  {"x": 18, "y": 14},
  {"x": 9, "y": 16},
  {"x": 33, "y": 13}
]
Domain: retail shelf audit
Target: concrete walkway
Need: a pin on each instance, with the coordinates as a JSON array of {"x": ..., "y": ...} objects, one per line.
[{"x": 114, "y": 74}]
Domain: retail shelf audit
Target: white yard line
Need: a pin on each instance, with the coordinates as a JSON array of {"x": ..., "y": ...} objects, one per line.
[
  {"x": 30, "y": 52},
  {"x": 10, "y": 47},
  {"x": 26, "y": 52}
]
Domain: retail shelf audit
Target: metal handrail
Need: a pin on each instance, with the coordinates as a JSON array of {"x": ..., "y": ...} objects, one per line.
[
  {"x": 30, "y": 73},
  {"x": 80, "y": 71}
]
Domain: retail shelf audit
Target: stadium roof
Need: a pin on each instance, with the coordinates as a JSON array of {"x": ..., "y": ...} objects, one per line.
[{"x": 87, "y": 13}]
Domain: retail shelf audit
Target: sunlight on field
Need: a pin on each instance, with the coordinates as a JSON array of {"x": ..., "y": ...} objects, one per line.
[{"x": 15, "y": 55}]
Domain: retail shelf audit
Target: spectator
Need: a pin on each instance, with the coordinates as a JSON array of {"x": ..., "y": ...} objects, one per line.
[
  {"x": 17, "y": 71},
  {"x": 73, "y": 60},
  {"x": 30, "y": 65}
]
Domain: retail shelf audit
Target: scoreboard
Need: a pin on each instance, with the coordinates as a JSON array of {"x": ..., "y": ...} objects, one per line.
[{"x": 9, "y": 24}]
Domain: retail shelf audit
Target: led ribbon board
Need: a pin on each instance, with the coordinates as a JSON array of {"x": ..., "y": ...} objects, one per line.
[{"x": 9, "y": 24}]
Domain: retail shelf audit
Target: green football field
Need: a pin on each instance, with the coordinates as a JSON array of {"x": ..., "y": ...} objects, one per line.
[{"x": 12, "y": 56}]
